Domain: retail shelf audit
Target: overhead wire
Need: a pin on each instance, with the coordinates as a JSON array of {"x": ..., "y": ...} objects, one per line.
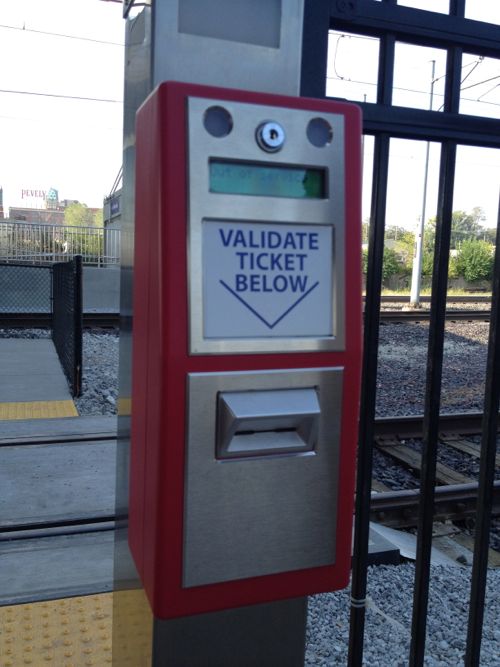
[
  {"x": 59, "y": 34},
  {"x": 60, "y": 96},
  {"x": 474, "y": 64}
]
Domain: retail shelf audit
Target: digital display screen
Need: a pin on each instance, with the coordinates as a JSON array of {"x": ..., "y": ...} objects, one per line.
[{"x": 247, "y": 178}]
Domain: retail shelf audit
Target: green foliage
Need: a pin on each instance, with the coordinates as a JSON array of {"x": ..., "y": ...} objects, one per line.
[
  {"x": 464, "y": 226},
  {"x": 365, "y": 231},
  {"x": 392, "y": 264},
  {"x": 427, "y": 263},
  {"x": 475, "y": 260},
  {"x": 453, "y": 271},
  {"x": 80, "y": 215},
  {"x": 364, "y": 261}
]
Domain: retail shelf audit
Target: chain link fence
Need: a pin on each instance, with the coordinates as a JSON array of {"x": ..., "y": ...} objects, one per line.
[
  {"x": 56, "y": 291},
  {"x": 67, "y": 320},
  {"x": 25, "y": 289}
]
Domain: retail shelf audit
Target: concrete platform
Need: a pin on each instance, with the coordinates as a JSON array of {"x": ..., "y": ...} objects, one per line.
[{"x": 33, "y": 382}]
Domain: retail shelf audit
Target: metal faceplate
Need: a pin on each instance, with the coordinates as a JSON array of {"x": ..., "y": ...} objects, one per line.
[
  {"x": 265, "y": 514},
  {"x": 266, "y": 272}
]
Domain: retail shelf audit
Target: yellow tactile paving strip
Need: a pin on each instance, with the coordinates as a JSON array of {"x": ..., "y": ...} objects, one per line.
[
  {"x": 72, "y": 632},
  {"x": 38, "y": 410},
  {"x": 124, "y": 406},
  {"x": 77, "y": 632}
]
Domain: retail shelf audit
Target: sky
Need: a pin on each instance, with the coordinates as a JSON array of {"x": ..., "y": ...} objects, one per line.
[
  {"x": 55, "y": 50},
  {"x": 352, "y": 74},
  {"x": 48, "y": 140}
]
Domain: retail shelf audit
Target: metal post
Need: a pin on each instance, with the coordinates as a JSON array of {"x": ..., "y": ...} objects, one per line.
[
  {"x": 416, "y": 276},
  {"x": 169, "y": 41},
  {"x": 486, "y": 473}
]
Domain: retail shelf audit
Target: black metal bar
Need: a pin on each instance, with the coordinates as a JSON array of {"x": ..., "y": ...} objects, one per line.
[
  {"x": 67, "y": 319},
  {"x": 314, "y": 48},
  {"x": 409, "y": 123},
  {"x": 78, "y": 326},
  {"x": 432, "y": 403},
  {"x": 368, "y": 399},
  {"x": 416, "y": 26},
  {"x": 435, "y": 356},
  {"x": 486, "y": 473},
  {"x": 370, "y": 361}
]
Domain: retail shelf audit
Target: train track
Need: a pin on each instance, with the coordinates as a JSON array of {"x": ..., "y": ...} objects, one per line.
[
  {"x": 388, "y": 316},
  {"x": 43, "y": 320},
  {"x": 455, "y": 497},
  {"x": 394, "y": 508},
  {"x": 112, "y": 320},
  {"x": 81, "y": 454},
  {"x": 467, "y": 298}
]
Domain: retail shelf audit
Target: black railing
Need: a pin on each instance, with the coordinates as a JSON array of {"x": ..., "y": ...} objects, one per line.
[
  {"x": 67, "y": 319},
  {"x": 392, "y": 24}
]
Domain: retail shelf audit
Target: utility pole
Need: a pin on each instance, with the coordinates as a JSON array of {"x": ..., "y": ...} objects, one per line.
[{"x": 416, "y": 275}]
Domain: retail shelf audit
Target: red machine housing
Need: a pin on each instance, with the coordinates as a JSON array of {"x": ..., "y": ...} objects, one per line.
[{"x": 161, "y": 361}]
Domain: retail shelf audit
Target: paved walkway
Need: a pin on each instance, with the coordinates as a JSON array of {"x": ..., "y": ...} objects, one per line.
[{"x": 32, "y": 384}]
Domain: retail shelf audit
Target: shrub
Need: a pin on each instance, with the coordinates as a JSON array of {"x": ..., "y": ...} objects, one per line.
[
  {"x": 364, "y": 261},
  {"x": 427, "y": 263},
  {"x": 392, "y": 264},
  {"x": 475, "y": 260}
]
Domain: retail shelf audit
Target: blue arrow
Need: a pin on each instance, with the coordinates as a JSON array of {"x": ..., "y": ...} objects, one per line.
[{"x": 262, "y": 319}]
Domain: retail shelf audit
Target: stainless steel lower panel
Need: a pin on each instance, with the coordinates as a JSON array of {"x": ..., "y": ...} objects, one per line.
[{"x": 256, "y": 516}]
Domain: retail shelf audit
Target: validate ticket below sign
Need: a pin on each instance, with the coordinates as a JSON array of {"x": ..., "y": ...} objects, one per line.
[{"x": 267, "y": 280}]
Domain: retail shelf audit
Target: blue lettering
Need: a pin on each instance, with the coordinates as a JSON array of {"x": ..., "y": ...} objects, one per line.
[
  {"x": 242, "y": 256},
  {"x": 301, "y": 236},
  {"x": 276, "y": 262},
  {"x": 226, "y": 240},
  {"x": 298, "y": 283},
  {"x": 239, "y": 239},
  {"x": 241, "y": 282},
  {"x": 301, "y": 259},
  {"x": 265, "y": 286},
  {"x": 313, "y": 241},
  {"x": 255, "y": 283},
  {"x": 274, "y": 239},
  {"x": 259, "y": 262},
  {"x": 251, "y": 241},
  {"x": 289, "y": 241},
  {"x": 280, "y": 283}
]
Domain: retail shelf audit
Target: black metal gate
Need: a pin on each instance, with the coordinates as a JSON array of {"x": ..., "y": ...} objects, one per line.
[
  {"x": 450, "y": 128},
  {"x": 67, "y": 321}
]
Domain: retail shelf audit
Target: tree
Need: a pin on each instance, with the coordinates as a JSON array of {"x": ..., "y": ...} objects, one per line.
[
  {"x": 464, "y": 226},
  {"x": 80, "y": 215},
  {"x": 475, "y": 260}
]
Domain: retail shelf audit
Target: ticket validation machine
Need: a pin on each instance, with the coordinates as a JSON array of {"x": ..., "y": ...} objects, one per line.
[{"x": 246, "y": 347}]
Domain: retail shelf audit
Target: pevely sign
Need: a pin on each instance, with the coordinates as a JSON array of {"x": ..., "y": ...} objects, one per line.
[{"x": 27, "y": 193}]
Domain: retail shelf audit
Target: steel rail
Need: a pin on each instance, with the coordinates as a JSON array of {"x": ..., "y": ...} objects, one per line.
[
  {"x": 466, "y": 298},
  {"x": 112, "y": 320},
  {"x": 425, "y": 315},
  {"x": 452, "y": 502},
  {"x": 44, "y": 320},
  {"x": 466, "y": 423}
]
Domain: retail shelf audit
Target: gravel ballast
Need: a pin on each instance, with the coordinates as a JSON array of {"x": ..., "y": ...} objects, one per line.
[{"x": 388, "y": 620}]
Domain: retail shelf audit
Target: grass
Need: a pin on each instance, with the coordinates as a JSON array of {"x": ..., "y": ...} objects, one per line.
[{"x": 426, "y": 291}]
